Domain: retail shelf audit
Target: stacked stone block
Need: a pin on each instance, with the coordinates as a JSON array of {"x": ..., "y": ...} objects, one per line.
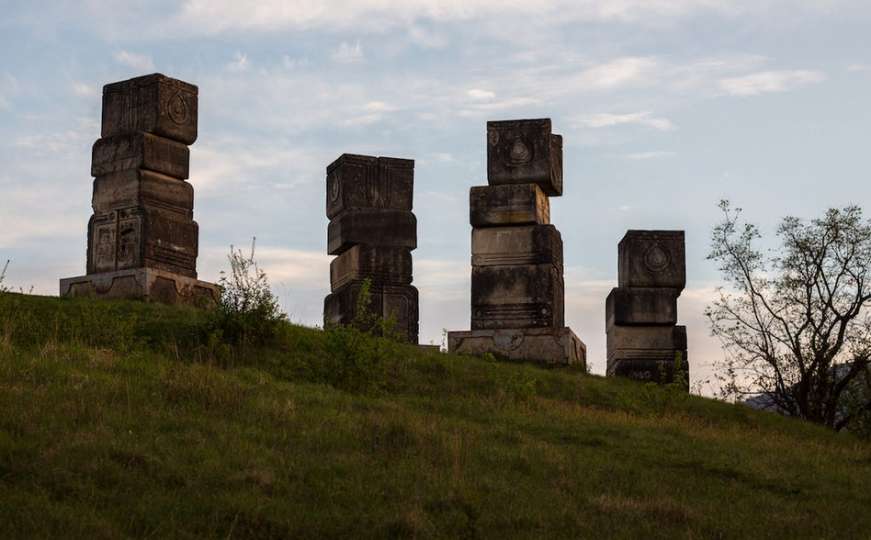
[
  {"x": 517, "y": 255},
  {"x": 643, "y": 339},
  {"x": 372, "y": 231},
  {"x": 142, "y": 239}
]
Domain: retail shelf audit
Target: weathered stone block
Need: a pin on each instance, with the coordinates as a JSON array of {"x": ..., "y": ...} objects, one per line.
[
  {"x": 527, "y": 296},
  {"x": 547, "y": 346},
  {"x": 643, "y": 352},
  {"x": 382, "y": 265},
  {"x": 154, "y": 103},
  {"x": 645, "y": 338},
  {"x": 662, "y": 371},
  {"x": 523, "y": 152},
  {"x": 144, "y": 284},
  {"x": 514, "y": 204},
  {"x": 138, "y": 187},
  {"x": 531, "y": 244},
  {"x": 395, "y": 303},
  {"x": 140, "y": 150},
  {"x": 652, "y": 259},
  {"x": 139, "y": 237},
  {"x": 389, "y": 228},
  {"x": 355, "y": 181},
  {"x": 641, "y": 306}
]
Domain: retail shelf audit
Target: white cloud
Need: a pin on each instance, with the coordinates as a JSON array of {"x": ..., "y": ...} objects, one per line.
[
  {"x": 238, "y": 63},
  {"x": 646, "y": 119},
  {"x": 769, "y": 81},
  {"x": 215, "y": 16},
  {"x": 139, "y": 62},
  {"x": 85, "y": 90},
  {"x": 347, "y": 53},
  {"x": 618, "y": 73},
  {"x": 657, "y": 154},
  {"x": 477, "y": 93},
  {"x": 858, "y": 68},
  {"x": 378, "y": 106}
]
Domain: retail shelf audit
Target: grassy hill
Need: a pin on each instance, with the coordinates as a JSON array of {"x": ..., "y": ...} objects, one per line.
[{"x": 122, "y": 419}]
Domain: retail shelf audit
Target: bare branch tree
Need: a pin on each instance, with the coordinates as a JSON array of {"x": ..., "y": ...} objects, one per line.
[{"x": 796, "y": 324}]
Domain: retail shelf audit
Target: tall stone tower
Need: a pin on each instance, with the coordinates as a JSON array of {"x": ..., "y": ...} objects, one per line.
[
  {"x": 518, "y": 309},
  {"x": 142, "y": 239},
  {"x": 372, "y": 231},
  {"x": 644, "y": 341}
]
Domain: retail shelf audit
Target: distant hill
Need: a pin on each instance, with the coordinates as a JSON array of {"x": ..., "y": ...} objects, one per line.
[{"x": 123, "y": 419}]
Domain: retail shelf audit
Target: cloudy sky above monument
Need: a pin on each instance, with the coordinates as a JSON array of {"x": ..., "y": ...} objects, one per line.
[{"x": 665, "y": 108}]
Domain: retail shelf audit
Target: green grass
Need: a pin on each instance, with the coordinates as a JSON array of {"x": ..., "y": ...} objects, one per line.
[{"x": 122, "y": 419}]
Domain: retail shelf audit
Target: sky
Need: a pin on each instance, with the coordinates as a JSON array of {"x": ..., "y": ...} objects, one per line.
[{"x": 665, "y": 107}]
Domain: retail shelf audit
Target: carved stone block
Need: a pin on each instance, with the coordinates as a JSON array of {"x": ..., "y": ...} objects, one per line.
[
  {"x": 140, "y": 150},
  {"x": 531, "y": 244},
  {"x": 523, "y": 152},
  {"x": 527, "y": 296},
  {"x": 513, "y": 204},
  {"x": 144, "y": 284},
  {"x": 137, "y": 237},
  {"x": 355, "y": 181},
  {"x": 154, "y": 103},
  {"x": 395, "y": 303},
  {"x": 382, "y": 265},
  {"x": 389, "y": 228},
  {"x": 662, "y": 371},
  {"x": 652, "y": 259},
  {"x": 138, "y": 187},
  {"x": 547, "y": 346},
  {"x": 641, "y": 306},
  {"x": 645, "y": 352}
]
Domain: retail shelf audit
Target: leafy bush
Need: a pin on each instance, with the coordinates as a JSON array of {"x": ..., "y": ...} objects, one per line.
[
  {"x": 248, "y": 312},
  {"x": 357, "y": 353}
]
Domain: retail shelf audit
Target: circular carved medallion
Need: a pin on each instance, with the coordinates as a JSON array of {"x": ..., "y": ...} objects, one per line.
[
  {"x": 177, "y": 109},
  {"x": 656, "y": 259}
]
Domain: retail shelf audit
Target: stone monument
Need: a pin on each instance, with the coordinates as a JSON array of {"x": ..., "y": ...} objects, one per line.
[
  {"x": 643, "y": 339},
  {"x": 517, "y": 306},
  {"x": 142, "y": 239},
  {"x": 372, "y": 231}
]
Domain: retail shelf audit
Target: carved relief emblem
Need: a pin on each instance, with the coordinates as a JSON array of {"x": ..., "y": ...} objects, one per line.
[
  {"x": 177, "y": 109},
  {"x": 105, "y": 253},
  {"x": 508, "y": 342},
  {"x": 656, "y": 259},
  {"x": 492, "y": 137},
  {"x": 520, "y": 153},
  {"x": 334, "y": 186},
  {"x": 127, "y": 242}
]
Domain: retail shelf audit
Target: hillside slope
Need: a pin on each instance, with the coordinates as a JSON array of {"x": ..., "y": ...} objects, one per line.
[{"x": 120, "y": 419}]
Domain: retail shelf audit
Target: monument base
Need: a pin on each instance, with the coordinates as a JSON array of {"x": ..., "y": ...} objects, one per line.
[
  {"x": 661, "y": 367},
  {"x": 547, "y": 346},
  {"x": 143, "y": 284}
]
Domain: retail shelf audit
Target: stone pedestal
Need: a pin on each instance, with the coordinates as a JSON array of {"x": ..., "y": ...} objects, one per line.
[
  {"x": 547, "y": 346},
  {"x": 373, "y": 231},
  {"x": 142, "y": 239},
  {"x": 145, "y": 284},
  {"x": 643, "y": 340},
  {"x": 518, "y": 297}
]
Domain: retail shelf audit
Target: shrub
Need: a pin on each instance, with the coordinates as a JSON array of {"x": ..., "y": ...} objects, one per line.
[{"x": 248, "y": 312}]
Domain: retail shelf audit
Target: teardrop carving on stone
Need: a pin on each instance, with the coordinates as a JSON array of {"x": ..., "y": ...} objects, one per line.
[
  {"x": 520, "y": 153},
  {"x": 656, "y": 259}
]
